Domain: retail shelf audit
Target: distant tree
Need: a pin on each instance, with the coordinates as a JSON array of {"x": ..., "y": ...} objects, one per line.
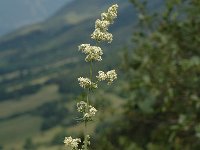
[
  {"x": 58, "y": 138},
  {"x": 1, "y": 147},
  {"x": 163, "y": 81},
  {"x": 53, "y": 113},
  {"x": 26, "y": 90},
  {"x": 29, "y": 145}
]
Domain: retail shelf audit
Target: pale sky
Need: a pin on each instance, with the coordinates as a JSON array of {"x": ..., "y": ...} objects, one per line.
[{"x": 17, "y": 13}]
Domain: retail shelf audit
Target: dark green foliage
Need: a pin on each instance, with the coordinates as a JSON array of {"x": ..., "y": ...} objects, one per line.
[
  {"x": 29, "y": 145},
  {"x": 59, "y": 138},
  {"x": 26, "y": 90},
  {"x": 67, "y": 86},
  {"x": 53, "y": 114},
  {"x": 163, "y": 81}
]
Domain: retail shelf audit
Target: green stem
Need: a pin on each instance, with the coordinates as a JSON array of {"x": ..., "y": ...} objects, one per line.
[
  {"x": 85, "y": 122},
  {"x": 91, "y": 71}
]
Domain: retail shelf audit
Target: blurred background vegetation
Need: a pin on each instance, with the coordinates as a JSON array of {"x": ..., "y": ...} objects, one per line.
[{"x": 154, "y": 105}]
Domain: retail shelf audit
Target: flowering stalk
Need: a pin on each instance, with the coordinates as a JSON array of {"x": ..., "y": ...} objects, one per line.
[{"x": 93, "y": 53}]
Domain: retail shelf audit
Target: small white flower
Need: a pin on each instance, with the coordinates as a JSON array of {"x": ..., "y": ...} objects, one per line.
[
  {"x": 111, "y": 14},
  {"x": 112, "y": 11},
  {"x": 81, "y": 106},
  {"x": 93, "y": 52},
  {"x": 90, "y": 114},
  {"x": 84, "y": 47},
  {"x": 104, "y": 16},
  {"x": 72, "y": 143},
  {"x": 86, "y": 83},
  {"x": 111, "y": 76},
  {"x": 87, "y": 110},
  {"x": 102, "y": 76},
  {"x": 92, "y": 111},
  {"x": 103, "y": 25},
  {"x": 98, "y": 35}
]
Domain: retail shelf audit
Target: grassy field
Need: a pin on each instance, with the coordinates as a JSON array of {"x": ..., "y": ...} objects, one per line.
[
  {"x": 28, "y": 103},
  {"x": 25, "y": 125},
  {"x": 15, "y": 131}
]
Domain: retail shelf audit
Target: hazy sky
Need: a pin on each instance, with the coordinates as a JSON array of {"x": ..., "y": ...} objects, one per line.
[{"x": 17, "y": 13}]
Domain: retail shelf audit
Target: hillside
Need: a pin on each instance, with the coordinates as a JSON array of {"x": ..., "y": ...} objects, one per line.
[{"x": 51, "y": 45}]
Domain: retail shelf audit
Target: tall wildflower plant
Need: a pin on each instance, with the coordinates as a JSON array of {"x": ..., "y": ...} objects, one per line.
[{"x": 93, "y": 53}]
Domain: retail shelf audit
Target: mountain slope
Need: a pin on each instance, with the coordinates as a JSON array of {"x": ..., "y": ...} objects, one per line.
[{"x": 50, "y": 39}]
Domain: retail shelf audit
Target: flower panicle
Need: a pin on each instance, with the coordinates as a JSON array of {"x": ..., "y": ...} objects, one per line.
[
  {"x": 101, "y": 26},
  {"x": 72, "y": 143},
  {"x": 109, "y": 76},
  {"x": 93, "y": 53},
  {"x": 87, "y": 110},
  {"x": 86, "y": 83}
]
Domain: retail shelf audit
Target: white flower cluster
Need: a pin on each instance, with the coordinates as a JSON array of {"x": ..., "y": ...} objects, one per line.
[
  {"x": 81, "y": 106},
  {"x": 111, "y": 14},
  {"x": 72, "y": 143},
  {"x": 101, "y": 26},
  {"x": 87, "y": 110},
  {"x": 98, "y": 35},
  {"x": 110, "y": 76},
  {"x": 86, "y": 143},
  {"x": 102, "y": 76},
  {"x": 92, "y": 112},
  {"x": 93, "y": 52},
  {"x": 87, "y": 83}
]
